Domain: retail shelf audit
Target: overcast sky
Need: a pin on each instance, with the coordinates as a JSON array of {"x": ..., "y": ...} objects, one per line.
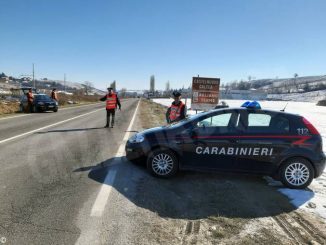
[{"x": 130, "y": 40}]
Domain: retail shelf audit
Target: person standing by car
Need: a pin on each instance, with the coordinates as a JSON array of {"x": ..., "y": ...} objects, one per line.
[
  {"x": 112, "y": 102},
  {"x": 178, "y": 110},
  {"x": 54, "y": 94},
  {"x": 30, "y": 99}
]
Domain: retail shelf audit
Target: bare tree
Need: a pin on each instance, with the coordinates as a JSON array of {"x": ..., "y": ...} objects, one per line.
[
  {"x": 113, "y": 85},
  {"x": 88, "y": 86},
  {"x": 295, "y": 81},
  {"x": 167, "y": 86},
  {"x": 123, "y": 92}
]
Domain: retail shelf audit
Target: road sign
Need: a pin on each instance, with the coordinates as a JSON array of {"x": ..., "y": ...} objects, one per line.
[{"x": 205, "y": 93}]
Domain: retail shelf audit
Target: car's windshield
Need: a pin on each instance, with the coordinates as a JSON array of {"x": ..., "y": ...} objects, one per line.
[
  {"x": 187, "y": 119},
  {"x": 42, "y": 97}
]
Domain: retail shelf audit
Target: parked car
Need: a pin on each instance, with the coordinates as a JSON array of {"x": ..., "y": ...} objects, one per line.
[
  {"x": 248, "y": 139},
  {"x": 42, "y": 102}
]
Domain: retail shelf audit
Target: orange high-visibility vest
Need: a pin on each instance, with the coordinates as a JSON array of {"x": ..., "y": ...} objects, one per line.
[
  {"x": 111, "y": 101},
  {"x": 54, "y": 95},
  {"x": 175, "y": 111},
  {"x": 30, "y": 97}
]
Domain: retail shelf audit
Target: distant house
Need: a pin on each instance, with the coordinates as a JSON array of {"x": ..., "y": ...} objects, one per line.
[
  {"x": 251, "y": 94},
  {"x": 4, "y": 79}
]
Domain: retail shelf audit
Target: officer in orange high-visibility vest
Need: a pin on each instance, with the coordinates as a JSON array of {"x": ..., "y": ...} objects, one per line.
[
  {"x": 112, "y": 102},
  {"x": 178, "y": 110}
]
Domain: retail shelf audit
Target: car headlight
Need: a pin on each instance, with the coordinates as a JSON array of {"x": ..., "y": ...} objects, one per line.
[
  {"x": 56, "y": 103},
  {"x": 137, "y": 138},
  {"x": 40, "y": 103}
]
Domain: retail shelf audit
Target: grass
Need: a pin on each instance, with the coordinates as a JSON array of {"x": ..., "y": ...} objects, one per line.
[{"x": 152, "y": 114}]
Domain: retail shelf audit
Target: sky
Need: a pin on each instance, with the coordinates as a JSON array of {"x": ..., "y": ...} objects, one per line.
[{"x": 130, "y": 40}]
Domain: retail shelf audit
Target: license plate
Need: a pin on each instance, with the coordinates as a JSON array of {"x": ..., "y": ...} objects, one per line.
[{"x": 50, "y": 106}]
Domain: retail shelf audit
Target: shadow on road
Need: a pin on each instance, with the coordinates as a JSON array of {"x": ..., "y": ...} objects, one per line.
[
  {"x": 194, "y": 195},
  {"x": 69, "y": 130}
]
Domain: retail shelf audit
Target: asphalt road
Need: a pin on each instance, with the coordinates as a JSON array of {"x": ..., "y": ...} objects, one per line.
[
  {"x": 64, "y": 180},
  {"x": 47, "y": 193}
]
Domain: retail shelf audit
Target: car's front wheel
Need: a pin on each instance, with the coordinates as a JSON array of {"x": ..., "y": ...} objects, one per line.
[
  {"x": 297, "y": 173},
  {"x": 162, "y": 163},
  {"x": 55, "y": 110}
]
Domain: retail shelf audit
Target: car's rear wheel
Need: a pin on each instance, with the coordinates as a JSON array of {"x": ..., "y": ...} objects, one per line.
[
  {"x": 162, "y": 163},
  {"x": 297, "y": 173}
]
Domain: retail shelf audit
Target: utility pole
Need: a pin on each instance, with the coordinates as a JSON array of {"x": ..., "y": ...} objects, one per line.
[
  {"x": 34, "y": 77},
  {"x": 64, "y": 82}
]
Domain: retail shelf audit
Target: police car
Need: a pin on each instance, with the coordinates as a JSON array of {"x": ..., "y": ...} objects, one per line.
[{"x": 246, "y": 139}]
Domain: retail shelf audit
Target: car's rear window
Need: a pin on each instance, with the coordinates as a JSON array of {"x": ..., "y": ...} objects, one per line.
[{"x": 267, "y": 123}]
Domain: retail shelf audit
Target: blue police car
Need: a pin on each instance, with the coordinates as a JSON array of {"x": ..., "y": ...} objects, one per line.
[{"x": 246, "y": 139}]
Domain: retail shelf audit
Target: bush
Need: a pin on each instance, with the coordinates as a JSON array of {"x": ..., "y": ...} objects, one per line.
[
  {"x": 322, "y": 102},
  {"x": 8, "y": 107}
]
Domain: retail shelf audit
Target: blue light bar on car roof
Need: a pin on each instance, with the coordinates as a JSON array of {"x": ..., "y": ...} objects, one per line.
[
  {"x": 246, "y": 104},
  {"x": 251, "y": 105}
]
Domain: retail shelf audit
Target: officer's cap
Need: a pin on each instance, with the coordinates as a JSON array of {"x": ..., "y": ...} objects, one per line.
[{"x": 176, "y": 94}]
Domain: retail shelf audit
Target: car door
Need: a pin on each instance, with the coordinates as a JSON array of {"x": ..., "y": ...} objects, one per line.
[
  {"x": 211, "y": 142},
  {"x": 24, "y": 103},
  {"x": 265, "y": 136}
]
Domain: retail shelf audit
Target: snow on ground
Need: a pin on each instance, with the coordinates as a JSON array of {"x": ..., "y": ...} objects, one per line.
[
  {"x": 313, "y": 199},
  {"x": 308, "y": 96}
]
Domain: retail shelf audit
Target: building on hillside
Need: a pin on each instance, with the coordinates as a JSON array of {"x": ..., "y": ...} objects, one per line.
[
  {"x": 251, "y": 94},
  {"x": 4, "y": 79}
]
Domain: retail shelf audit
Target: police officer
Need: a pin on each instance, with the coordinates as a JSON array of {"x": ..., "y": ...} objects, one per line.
[
  {"x": 178, "y": 110},
  {"x": 30, "y": 99},
  {"x": 112, "y": 101},
  {"x": 54, "y": 95}
]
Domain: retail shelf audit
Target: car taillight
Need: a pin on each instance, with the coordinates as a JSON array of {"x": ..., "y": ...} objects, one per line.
[{"x": 310, "y": 127}]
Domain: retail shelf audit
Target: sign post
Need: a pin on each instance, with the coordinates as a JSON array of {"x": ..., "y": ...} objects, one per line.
[{"x": 205, "y": 93}]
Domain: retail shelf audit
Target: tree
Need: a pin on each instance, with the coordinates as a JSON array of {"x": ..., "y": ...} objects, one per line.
[
  {"x": 152, "y": 84},
  {"x": 123, "y": 92},
  {"x": 113, "y": 85},
  {"x": 306, "y": 87},
  {"x": 295, "y": 81},
  {"x": 88, "y": 87},
  {"x": 167, "y": 86}
]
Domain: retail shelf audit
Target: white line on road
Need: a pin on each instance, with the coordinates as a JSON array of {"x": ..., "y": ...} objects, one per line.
[
  {"x": 61, "y": 109},
  {"x": 48, "y": 126},
  {"x": 104, "y": 193},
  {"x": 14, "y": 117}
]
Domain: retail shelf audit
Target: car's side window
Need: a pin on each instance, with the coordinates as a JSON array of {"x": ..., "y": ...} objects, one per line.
[
  {"x": 259, "y": 120},
  {"x": 221, "y": 120},
  {"x": 267, "y": 123}
]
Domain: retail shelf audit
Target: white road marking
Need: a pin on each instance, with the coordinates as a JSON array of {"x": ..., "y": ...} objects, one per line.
[
  {"x": 104, "y": 193},
  {"x": 48, "y": 126},
  {"x": 14, "y": 117},
  {"x": 68, "y": 108}
]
